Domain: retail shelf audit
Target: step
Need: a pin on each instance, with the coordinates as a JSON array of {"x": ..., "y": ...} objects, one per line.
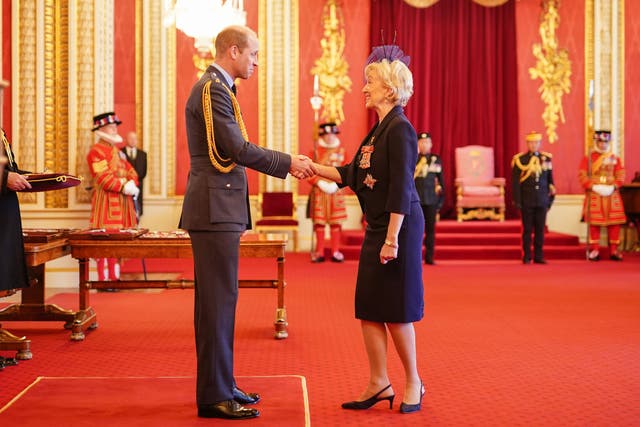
[{"x": 551, "y": 238}]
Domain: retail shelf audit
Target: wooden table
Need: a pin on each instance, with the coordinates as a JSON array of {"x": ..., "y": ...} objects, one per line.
[
  {"x": 32, "y": 305},
  {"x": 251, "y": 246}
]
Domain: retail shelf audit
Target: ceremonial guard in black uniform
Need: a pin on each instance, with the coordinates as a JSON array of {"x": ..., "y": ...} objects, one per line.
[
  {"x": 429, "y": 183},
  {"x": 533, "y": 194}
]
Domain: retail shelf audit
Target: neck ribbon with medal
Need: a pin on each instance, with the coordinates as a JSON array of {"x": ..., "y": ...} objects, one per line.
[{"x": 365, "y": 162}]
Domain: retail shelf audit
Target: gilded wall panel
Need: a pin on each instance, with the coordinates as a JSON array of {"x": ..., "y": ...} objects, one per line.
[
  {"x": 278, "y": 81},
  {"x": 84, "y": 100},
  {"x": 24, "y": 92}
]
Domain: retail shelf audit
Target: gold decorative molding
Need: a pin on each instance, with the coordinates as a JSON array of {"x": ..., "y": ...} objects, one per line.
[
  {"x": 604, "y": 66},
  {"x": 85, "y": 95},
  {"x": 56, "y": 93},
  {"x": 553, "y": 67},
  {"x": 421, "y": 3},
  {"x": 278, "y": 76},
  {"x": 332, "y": 68},
  {"x": 24, "y": 94},
  {"x": 589, "y": 75}
]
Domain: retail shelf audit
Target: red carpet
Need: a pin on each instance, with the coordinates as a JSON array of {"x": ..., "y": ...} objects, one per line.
[
  {"x": 140, "y": 401},
  {"x": 501, "y": 344}
]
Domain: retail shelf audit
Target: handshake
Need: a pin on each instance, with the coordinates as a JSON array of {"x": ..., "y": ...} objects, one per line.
[
  {"x": 130, "y": 189},
  {"x": 302, "y": 167}
]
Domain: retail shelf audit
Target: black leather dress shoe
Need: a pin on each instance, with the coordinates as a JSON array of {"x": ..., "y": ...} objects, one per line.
[
  {"x": 227, "y": 409},
  {"x": 539, "y": 261},
  {"x": 526, "y": 260},
  {"x": 245, "y": 398}
]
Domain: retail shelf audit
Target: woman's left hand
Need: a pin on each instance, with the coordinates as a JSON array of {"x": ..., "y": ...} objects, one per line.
[{"x": 388, "y": 253}]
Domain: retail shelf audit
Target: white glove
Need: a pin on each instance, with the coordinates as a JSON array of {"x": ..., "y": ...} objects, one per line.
[
  {"x": 327, "y": 187},
  {"x": 130, "y": 189},
  {"x": 603, "y": 190}
]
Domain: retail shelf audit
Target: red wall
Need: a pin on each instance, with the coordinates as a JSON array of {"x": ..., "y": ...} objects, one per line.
[
  {"x": 632, "y": 89},
  {"x": 568, "y": 149},
  {"x": 124, "y": 64}
]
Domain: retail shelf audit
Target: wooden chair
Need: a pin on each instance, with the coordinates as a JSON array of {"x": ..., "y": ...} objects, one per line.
[
  {"x": 479, "y": 194},
  {"x": 277, "y": 213}
]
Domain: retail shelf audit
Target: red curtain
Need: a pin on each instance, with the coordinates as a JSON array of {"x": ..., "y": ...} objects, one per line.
[{"x": 463, "y": 60}]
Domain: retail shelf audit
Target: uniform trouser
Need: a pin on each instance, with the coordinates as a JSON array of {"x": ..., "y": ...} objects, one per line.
[
  {"x": 429, "y": 212},
  {"x": 215, "y": 257},
  {"x": 534, "y": 219},
  {"x": 613, "y": 236}
]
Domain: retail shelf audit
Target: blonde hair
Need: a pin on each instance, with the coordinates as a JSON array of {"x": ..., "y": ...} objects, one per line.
[{"x": 396, "y": 76}]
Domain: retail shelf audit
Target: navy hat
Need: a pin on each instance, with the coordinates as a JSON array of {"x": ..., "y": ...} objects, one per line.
[
  {"x": 602, "y": 135},
  {"x": 423, "y": 135},
  {"x": 105, "y": 119},
  {"x": 326, "y": 128}
]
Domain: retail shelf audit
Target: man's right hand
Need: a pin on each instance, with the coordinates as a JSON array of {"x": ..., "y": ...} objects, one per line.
[
  {"x": 17, "y": 182},
  {"x": 302, "y": 167}
]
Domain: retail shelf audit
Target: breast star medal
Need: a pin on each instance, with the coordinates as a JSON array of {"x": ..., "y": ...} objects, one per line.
[{"x": 369, "y": 181}]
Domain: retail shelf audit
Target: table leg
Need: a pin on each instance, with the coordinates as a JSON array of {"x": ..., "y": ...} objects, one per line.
[
  {"x": 85, "y": 317},
  {"x": 22, "y": 345},
  {"x": 281, "y": 312},
  {"x": 32, "y": 306}
]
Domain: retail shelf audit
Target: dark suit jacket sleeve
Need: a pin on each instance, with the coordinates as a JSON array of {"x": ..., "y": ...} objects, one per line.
[
  {"x": 141, "y": 164},
  {"x": 232, "y": 144},
  {"x": 403, "y": 155}
]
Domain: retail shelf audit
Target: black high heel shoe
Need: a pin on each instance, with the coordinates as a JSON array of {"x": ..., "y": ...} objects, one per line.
[
  {"x": 406, "y": 408},
  {"x": 368, "y": 403}
]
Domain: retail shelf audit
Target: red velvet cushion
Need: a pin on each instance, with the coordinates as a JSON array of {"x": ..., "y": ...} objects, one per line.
[{"x": 277, "y": 204}]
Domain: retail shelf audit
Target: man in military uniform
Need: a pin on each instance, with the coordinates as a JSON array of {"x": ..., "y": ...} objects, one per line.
[
  {"x": 429, "y": 183},
  {"x": 533, "y": 194},
  {"x": 601, "y": 174}
]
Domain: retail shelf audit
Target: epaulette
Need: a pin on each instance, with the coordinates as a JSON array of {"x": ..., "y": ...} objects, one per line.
[{"x": 544, "y": 153}]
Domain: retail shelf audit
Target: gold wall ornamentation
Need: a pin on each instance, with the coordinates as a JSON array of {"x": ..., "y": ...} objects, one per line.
[
  {"x": 278, "y": 76},
  {"x": 553, "y": 67},
  {"x": 421, "y": 3},
  {"x": 56, "y": 95},
  {"x": 429, "y": 3},
  {"x": 158, "y": 100},
  {"x": 490, "y": 3},
  {"x": 604, "y": 67},
  {"x": 331, "y": 68},
  {"x": 24, "y": 93},
  {"x": 84, "y": 93}
]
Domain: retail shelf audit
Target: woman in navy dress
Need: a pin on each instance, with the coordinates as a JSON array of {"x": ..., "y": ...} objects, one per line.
[{"x": 389, "y": 289}]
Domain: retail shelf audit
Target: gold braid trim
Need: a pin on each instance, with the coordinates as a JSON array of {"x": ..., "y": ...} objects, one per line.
[
  {"x": 224, "y": 165},
  {"x": 7, "y": 148},
  {"x": 532, "y": 167},
  {"x": 420, "y": 167}
]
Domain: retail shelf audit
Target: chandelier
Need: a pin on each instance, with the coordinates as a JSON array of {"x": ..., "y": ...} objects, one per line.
[{"x": 204, "y": 19}]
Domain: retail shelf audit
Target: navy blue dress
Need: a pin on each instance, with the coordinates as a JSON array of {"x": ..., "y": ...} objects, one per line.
[{"x": 381, "y": 175}]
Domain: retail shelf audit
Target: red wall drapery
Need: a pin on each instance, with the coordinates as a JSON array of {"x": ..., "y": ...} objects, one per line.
[{"x": 463, "y": 58}]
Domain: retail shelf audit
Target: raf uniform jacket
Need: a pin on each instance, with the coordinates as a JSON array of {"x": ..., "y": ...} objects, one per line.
[
  {"x": 532, "y": 179},
  {"x": 428, "y": 176},
  {"x": 214, "y": 200}
]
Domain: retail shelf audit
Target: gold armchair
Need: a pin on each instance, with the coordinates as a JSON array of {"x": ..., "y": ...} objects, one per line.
[{"x": 479, "y": 194}]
